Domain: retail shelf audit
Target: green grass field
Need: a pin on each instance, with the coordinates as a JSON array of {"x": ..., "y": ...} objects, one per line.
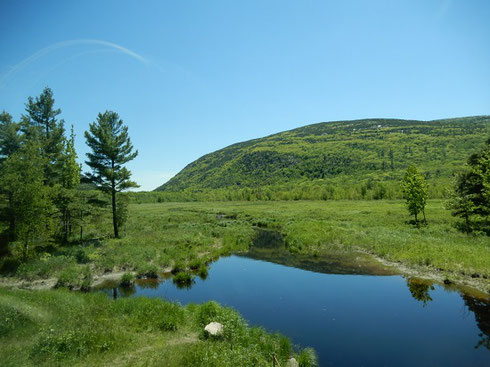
[
  {"x": 61, "y": 328},
  {"x": 57, "y": 327},
  {"x": 184, "y": 235}
]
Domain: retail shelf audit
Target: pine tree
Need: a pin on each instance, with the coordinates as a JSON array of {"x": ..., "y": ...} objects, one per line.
[
  {"x": 10, "y": 142},
  {"x": 66, "y": 195},
  {"x": 10, "y": 138},
  {"x": 29, "y": 203},
  {"x": 111, "y": 148},
  {"x": 414, "y": 190},
  {"x": 41, "y": 123}
]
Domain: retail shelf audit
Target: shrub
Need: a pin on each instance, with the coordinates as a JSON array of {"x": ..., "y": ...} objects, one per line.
[
  {"x": 203, "y": 271},
  {"x": 179, "y": 267},
  {"x": 183, "y": 278},
  {"x": 147, "y": 271},
  {"x": 195, "y": 264},
  {"x": 307, "y": 358},
  {"x": 75, "y": 277},
  {"x": 127, "y": 280}
]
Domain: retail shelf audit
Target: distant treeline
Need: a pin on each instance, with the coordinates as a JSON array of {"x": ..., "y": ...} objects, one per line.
[{"x": 333, "y": 189}]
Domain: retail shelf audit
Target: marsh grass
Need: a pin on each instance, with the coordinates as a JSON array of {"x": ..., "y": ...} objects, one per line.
[
  {"x": 60, "y": 328},
  {"x": 185, "y": 236},
  {"x": 183, "y": 279}
]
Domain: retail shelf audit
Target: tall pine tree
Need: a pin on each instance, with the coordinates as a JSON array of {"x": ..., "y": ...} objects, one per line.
[
  {"x": 111, "y": 148},
  {"x": 41, "y": 123}
]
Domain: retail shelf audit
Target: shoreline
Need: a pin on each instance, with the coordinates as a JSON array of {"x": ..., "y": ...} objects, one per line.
[
  {"x": 478, "y": 287},
  {"x": 475, "y": 286}
]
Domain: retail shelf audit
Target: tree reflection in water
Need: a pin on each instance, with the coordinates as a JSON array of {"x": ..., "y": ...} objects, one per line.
[
  {"x": 481, "y": 309},
  {"x": 419, "y": 288}
]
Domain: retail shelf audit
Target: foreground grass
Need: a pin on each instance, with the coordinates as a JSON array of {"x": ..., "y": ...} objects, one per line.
[
  {"x": 71, "y": 328},
  {"x": 190, "y": 235}
]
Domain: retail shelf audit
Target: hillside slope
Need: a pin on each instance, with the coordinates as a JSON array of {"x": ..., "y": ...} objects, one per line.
[{"x": 338, "y": 153}]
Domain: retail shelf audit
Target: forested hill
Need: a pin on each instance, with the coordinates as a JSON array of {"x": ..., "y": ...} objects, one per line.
[{"x": 358, "y": 156}]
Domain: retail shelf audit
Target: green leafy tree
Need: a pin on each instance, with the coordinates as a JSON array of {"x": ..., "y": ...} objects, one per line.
[
  {"x": 29, "y": 204},
  {"x": 10, "y": 139},
  {"x": 41, "y": 123},
  {"x": 415, "y": 193},
  {"x": 111, "y": 148},
  {"x": 470, "y": 197}
]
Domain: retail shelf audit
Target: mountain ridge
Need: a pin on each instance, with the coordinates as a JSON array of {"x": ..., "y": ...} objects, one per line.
[{"x": 376, "y": 149}]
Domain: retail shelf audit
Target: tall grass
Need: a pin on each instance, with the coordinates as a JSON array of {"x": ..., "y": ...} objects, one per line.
[
  {"x": 60, "y": 328},
  {"x": 186, "y": 236}
]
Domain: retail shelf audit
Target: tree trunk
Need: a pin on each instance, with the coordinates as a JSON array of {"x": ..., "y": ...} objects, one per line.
[
  {"x": 114, "y": 214},
  {"x": 81, "y": 225},
  {"x": 26, "y": 248},
  {"x": 113, "y": 194},
  {"x": 11, "y": 219},
  {"x": 416, "y": 221}
]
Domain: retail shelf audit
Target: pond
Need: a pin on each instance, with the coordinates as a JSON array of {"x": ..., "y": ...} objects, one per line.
[{"x": 348, "y": 315}]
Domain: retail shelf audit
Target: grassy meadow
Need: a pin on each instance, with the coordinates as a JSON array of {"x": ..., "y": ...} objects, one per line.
[
  {"x": 62, "y": 328},
  {"x": 187, "y": 236},
  {"x": 58, "y": 327}
]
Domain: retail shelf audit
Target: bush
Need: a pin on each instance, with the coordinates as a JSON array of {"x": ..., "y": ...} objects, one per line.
[
  {"x": 195, "y": 264},
  {"x": 183, "y": 278},
  {"x": 147, "y": 271},
  {"x": 179, "y": 267},
  {"x": 203, "y": 271},
  {"x": 307, "y": 358},
  {"x": 127, "y": 280},
  {"x": 75, "y": 277}
]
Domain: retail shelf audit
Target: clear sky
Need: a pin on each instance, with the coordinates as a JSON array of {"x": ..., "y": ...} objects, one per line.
[{"x": 190, "y": 77}]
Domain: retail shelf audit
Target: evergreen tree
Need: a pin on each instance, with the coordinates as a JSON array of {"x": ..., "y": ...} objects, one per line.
[
  {"x": 10, "y": 138},
  {"x": 414, "y": 190},
  {"x": 66, "y": 193},
  {"x": 471, "y": 195},
  {"x": 29, "y": 206},
  {"x": 41, "y": 123},
  {"x": 10, "y": 142},
  {"x": 111, "y": 148}
]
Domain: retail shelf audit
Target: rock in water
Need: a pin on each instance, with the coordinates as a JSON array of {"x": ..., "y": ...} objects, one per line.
[
  {"x": 214, "y": 328},
  {"x": 292, "y": 362}
]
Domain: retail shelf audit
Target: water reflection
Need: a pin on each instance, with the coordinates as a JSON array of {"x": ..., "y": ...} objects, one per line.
[
  {"x": 481, "y": 309},
  {"x": 382, "y": 317},
  {"x": 419, "y": 288},
  {"x": 270, "y": 246}
]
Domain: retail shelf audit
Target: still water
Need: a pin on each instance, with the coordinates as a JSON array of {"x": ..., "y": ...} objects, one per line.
[{"x": 349, "y": 319}]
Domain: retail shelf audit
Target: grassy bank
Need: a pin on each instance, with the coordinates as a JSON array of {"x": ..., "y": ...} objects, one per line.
[
  {"x": 71, "y": 328},
  {"x": 189, "y": 235}
]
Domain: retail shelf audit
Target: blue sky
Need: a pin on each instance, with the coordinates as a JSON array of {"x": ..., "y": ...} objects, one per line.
[{"x": 190, "y": 77}]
